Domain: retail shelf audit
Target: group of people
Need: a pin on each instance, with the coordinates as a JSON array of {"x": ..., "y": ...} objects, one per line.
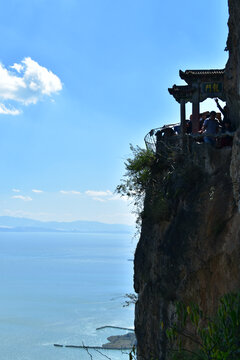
[
  {"x": 211, "y": 124},
  {"x": 213, "y": 129}
]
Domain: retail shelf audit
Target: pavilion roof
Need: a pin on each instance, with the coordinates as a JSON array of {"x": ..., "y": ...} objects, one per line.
[
  {"x": 191, "y": 76},
  {"x": 181, "y": 92}
]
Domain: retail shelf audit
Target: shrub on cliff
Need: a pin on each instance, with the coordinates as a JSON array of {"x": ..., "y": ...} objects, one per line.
[
  {"x": 168, "y": 177},
  {"x": 137, "y": 177},
  {"x": 208, "y": 339},
  {"x": 138, "y": 172}
]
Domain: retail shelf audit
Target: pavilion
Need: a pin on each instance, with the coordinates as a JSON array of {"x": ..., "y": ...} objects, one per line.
[{"x": 201, "y": 84}]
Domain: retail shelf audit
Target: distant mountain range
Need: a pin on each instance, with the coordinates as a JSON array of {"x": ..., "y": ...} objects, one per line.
[{"x": 8, "y": 223}]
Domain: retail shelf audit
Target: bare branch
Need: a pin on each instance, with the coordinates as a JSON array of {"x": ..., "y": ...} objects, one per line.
[
  {"x": 84, "y": 347},
  {"x": 102, "y": 354}
]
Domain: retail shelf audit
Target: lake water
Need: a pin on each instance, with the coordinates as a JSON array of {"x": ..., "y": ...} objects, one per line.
[{"x": 58, "y": 288}]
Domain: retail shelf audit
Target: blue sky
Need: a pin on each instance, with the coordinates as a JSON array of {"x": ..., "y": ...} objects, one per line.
[{"x": 79, "y": 81}]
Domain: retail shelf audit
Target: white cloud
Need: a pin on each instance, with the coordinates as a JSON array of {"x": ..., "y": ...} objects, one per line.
[
  {"x": 99, "y": 199},
  {"x": 16, "y": 190},
  {"x": 17, "y": 67},
  {"x": 21, "y": 197},
  {"x": 26, "y": 83},
  {"x": 105, "y": 196},
  {"x": 98, "y": 193},
  {"x": 70, "y": 192},
  {"x": 118, "y": 197},
  {"x": 37, "y": 191},
  {"x": 4, "y": 110}
]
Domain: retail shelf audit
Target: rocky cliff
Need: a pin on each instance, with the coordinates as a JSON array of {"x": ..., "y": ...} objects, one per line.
[
  {"x": 232, "y": 78},
  {"x": 189, "y": 247}
]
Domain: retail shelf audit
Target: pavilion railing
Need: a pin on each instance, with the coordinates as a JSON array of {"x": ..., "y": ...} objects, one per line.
[
  {"x": 170, "y": 135},
  {"x": 152, "y": 138}
]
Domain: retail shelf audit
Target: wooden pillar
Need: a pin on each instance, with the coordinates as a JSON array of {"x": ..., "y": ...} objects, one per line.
[
  {"x": 183, "y": 116},
  {"x": 195, "y": 113}
]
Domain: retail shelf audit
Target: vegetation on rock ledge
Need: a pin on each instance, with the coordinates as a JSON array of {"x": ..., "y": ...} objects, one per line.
[
  {"x": 209, "y": 339},
  {"x": 166, "y": 177}
]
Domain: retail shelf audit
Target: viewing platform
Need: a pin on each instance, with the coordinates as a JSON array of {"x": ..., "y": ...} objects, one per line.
[
  {"x": 201, "y": 85},
  {"x": 167, "y": 135}
]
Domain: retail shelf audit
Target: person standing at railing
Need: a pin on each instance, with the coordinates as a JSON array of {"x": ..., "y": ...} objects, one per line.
[
  {"x": 226, "y": 116},
  {"x": 210, "y": 129}
]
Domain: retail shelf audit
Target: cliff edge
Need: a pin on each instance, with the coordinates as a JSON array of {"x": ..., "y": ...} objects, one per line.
[{"x": 189, "y": 247}]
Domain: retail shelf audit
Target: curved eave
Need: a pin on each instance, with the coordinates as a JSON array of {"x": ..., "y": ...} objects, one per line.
[
  {"x": 191, "y": 76},
  {"x": 181, "y": 93}
]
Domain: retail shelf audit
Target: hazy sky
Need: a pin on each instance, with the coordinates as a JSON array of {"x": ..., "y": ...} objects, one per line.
[{"x": 79, "y": 81}]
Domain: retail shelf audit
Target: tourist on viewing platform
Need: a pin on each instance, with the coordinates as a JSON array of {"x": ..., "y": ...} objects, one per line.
[
  {"x": 166, "y": 132},
  {"x": 219, "y": 117},
  {"x": 227, "y": 127},
  {"x": 227, "y": 138},
  {"x": 177, "y": 129},
  {"x": 211, "y": 128},
  {"x": 226, "y": 117},
  {"x": 189, "y": 125},
  {"x": 203, "y": 117}
]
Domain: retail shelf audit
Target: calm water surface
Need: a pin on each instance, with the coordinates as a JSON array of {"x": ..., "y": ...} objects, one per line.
[{"x": 58, "y": 288}]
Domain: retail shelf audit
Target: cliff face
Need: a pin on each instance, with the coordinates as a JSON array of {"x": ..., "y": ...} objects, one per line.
[
  {"x": 232, "y": 86},
  {"x": 190, "y": 255},
  {"x": 189, "y": 247},
  {"x": 232, "y": 78}
]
